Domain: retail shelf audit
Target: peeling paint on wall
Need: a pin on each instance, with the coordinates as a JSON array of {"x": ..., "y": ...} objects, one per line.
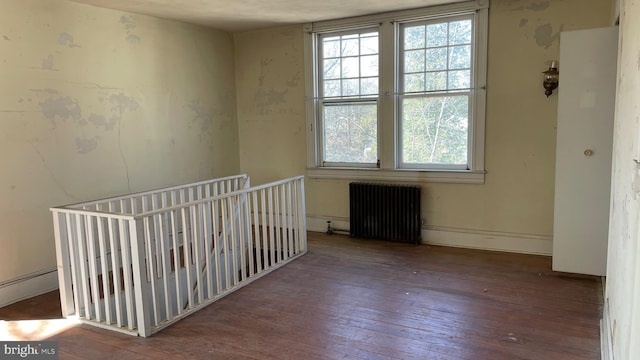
[
  {"x": 82, "y": 117},
  {"x": 543, "y": 5},
  {"x": 134, "y": 39},
  {"x": 204, "y": 118},
  {"x": 545, "y": 37},
  {"x": 294, "y": 81},
  {"x": 65, "y": 39},
  {"x": 202, "y": 114},
  {"x": 128, "y": 22},
  {"x": 263, "y": 65},
  {"x": 47, "y": 90},
  {"x": 47, "y": 63},
  {"x": 266, "y": 99},
  {"x": 101, "y": 121},
  {"x": 85, "y": 146},
  {"x": 124, "y": 102},
  {"x": 516, "y": 5},
  {"x": 63, "y": 108}
]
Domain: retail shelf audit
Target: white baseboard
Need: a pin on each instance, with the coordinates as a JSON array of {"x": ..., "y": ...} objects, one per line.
[
  {"x": 28, "y": 286},
  {"x": 458, "y": 237},
  {"x": 488, "y": 240}
]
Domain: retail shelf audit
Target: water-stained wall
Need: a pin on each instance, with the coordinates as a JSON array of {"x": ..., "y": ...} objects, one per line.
[
  {"x": 95, "y": 103},
  {"x": 517, "y": 197}
]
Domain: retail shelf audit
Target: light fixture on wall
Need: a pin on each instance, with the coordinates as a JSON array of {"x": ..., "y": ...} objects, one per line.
[{"x": 551, "y": 78}]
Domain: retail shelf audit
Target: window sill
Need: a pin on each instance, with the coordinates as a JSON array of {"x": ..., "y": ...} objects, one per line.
[{"x": 455, "y": 177}]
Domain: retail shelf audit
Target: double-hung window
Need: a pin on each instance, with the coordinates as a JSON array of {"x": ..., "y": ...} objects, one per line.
[
  {"x": 398, "y": 95},
  {"x": 348, "y": 106}
]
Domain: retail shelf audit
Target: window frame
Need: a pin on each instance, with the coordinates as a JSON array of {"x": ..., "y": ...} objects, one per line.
[
  {"x": 389, "y": 165},
  {"x": 327, "y": 101}
]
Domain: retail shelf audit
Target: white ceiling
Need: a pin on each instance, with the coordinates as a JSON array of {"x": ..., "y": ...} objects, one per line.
[{"x": 241, "y": 15}]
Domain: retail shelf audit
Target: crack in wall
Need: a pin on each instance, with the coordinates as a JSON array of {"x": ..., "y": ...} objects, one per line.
[
  {"x": 123, "y": 103},
  {"x": 53, "y": 176},
  {"x": 93, "y": 84},
  {"x": 124, "y": 160}
]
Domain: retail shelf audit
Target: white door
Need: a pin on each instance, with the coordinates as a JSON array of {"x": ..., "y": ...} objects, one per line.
[{"x": 586, "y": 103}]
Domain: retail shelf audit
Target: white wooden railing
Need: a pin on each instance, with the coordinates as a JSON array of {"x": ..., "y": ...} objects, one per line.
[{"x": 137, "y": 263}]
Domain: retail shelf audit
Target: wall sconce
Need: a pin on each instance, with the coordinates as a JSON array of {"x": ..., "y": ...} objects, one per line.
[{"x": 551, "y": 78}]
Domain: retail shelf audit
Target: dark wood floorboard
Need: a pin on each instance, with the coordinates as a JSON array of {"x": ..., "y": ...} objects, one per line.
[{"x": 365, "y": 299}]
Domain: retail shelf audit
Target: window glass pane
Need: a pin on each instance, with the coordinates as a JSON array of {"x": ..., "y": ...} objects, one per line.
[
  {"x": 460, "y": 79},
  {"x": 348, "y": 59},
  {"x": 369, "y": 86},
  {"x": 414, "y": 37},
  {"x": 445, "y": 58},
  {"x": 460, "y": 32},
  {"x": 369, "y": 65},
  {"x": 414, "y": 82},
  {"x": 369, "y": 44},
  {"x": 350, "y": 87},
  {"x": 350, "y": 47},
  {"x": 350, "y": 133},
  {"x": 331, "y": 69},
  {"x": 331, "y": 88},
  {"x": 437, "y": 59},
  {"x": 414, "y": 61},
  {"x": 436, "y": 81},
  {"x": 331, "y": 47},
  {"x": 460, "y": 57},
  {"x": 437, "y": 35},
  {"x": 434, "y": 130},
  {"x": 350, "y": 67}
]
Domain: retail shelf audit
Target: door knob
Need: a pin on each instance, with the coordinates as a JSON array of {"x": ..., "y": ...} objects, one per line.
[{"x": 588, "y": 152}]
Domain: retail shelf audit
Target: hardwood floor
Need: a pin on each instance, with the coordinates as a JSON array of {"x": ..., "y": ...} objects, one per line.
[{"x": 364, "y": 299}]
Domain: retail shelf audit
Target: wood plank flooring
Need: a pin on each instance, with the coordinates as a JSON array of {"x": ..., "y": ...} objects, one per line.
[{"x": 365, "y": 299}]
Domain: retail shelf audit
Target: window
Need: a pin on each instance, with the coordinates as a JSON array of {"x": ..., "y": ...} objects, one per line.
[
  {"x": 398, "y": 95},
  {"x": 434, "y": 93},
  {"x": 348, "y": 84}
]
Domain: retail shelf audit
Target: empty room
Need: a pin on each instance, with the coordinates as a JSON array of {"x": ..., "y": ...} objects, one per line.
[{"x": 297, "y": 179}]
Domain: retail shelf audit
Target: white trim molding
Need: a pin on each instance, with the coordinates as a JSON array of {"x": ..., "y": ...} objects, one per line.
[
  {"x": 606, "y": 334},
  {"x": 28, "y": 286},
  {"x": 452, "y": 177},
  {"x": 458, "y": 237},
  {"x": 488, "y": 240}
]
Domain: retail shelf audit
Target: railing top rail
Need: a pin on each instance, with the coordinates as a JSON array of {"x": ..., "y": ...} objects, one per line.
[
  {"x": 106, "y": 214},
  {"x": 148, "y": 192},
  {"x": 219, "y": 197}
]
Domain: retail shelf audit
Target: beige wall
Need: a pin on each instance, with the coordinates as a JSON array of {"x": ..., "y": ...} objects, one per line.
[
  {"x": 623, "y": 263},
  {"x": 95, "y": 103},
  {"x": 271, "y": 108},
  {"x": 520, "y": 133}
]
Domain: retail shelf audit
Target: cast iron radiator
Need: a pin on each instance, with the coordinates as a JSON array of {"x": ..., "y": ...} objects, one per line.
[{"x": 383, "y": 211}]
